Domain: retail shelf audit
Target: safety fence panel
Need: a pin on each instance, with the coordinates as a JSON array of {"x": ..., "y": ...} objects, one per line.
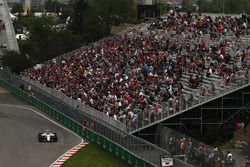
[{"x": 79, "y": 129}]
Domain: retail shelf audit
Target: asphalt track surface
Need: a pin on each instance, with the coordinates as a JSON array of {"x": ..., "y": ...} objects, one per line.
[{"x": 19, "y": 127}]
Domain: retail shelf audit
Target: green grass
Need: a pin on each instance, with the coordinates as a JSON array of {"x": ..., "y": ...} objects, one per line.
[{"x": 93, "y": 155}]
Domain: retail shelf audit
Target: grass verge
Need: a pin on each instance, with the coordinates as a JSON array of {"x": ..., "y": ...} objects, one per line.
[{"x": 93, "y": 155}]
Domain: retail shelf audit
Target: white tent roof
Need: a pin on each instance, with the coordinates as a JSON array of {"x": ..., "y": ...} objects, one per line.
[{"x": 12, "y": 16}]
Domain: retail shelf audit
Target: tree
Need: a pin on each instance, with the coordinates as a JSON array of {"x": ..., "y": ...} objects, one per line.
[
  {"x": 17, "y": 8},
  {"x": 31, "y": 48},
  {"x": 40, "y": 28},
  {"x": 57, "y": 43},
  {"x": 52, "y": 6},
  {"x": 113, "y": 12},
  {"x": 229, "y": 6},
  {"x": 185, "y": 4},
  {"x": 93, "y": 19},
  {"x": 46, "y": 41},
  {"x": 78, "y": 12},
  {"x": 16, "y": 61}
]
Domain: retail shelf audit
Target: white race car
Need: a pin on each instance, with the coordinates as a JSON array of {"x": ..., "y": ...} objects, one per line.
[{"x": 47, "y": 136}]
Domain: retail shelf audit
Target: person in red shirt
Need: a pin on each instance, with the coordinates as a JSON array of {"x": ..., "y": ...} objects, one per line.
[
  {"x": 237, "y": 32},
  {"x": 223, "y": 51},
  {"x": 220, "y": 28},
  {"x": 203, "y": 45}
]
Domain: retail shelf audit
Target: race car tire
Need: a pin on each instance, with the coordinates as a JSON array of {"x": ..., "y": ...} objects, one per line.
[
  {"x": 55, "y": 138},
  {"x": 40, "y": 137}
]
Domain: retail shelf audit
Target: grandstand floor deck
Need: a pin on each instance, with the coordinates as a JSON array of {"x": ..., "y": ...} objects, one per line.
[{"x": 19, "y": 129}]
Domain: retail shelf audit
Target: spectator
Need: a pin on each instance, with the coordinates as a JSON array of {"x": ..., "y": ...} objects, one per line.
[
  {"x": 29, "y": 90},
  {"x": 211, "y": 88},
  {"x": 229, "y": 160},
  {"x": 247, "y": 162},
  {"x": 202, "y": 90}
]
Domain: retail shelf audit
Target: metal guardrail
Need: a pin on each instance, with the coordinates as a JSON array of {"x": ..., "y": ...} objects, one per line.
[{"x": 74, "y": 103}]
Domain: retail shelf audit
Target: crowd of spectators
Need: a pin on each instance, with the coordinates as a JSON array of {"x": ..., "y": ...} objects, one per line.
[
  {"x": 200, "y": 154},
  {"x": 136, "y": 77}
]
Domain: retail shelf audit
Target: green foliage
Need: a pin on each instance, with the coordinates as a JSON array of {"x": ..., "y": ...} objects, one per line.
[
  {"x": 36, "y": 9},
  {"x": 30, "y": 48},
  {"x": 93, "y": 19},
  {"x": 45, "y": 42},
  {"x": 112, "y": 12},
  {"x": 57, "y": 43},
  {"x": 40, "y": 29},
  {"x": 16, "y": 61},
  {"x": 65, "y": 11},
  {"x": 17, "y": 8},
  {"x": 186, "y": 4},
  {"x": 53, "y": 6},
  {"x": 78, "y": 15},
  {"x": 228, "y": 6}
]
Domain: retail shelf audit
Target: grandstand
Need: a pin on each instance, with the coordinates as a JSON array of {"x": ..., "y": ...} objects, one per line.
[
  {"x": 148, "y": 75},
  {"x": 151, "y": 73}
]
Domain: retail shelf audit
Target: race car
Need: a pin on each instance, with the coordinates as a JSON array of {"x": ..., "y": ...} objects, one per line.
[{"x": 47, "y": 136}]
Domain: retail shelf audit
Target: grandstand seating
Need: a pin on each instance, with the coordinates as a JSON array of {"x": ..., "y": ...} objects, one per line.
[{"x": 154, "y": 70}]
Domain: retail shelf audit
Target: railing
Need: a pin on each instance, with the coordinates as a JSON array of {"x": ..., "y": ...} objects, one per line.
[
  {"x": 80, "y": 106},
  {"x": 130, "y": 148},
  {"x": 146, "y": 121},
  {"x": 201, "y": 100}
]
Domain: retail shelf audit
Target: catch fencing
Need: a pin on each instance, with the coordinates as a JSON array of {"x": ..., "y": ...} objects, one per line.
[{"x": 133, "y": 150}]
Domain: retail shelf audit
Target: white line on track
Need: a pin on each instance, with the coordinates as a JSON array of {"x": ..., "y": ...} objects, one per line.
[{"x": 33, "y": 110}]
